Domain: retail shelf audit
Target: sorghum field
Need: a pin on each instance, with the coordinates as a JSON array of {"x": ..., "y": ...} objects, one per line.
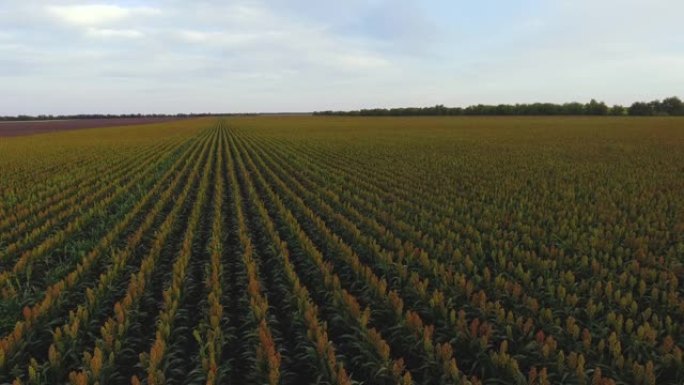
[{"x": 328, "y": 250}]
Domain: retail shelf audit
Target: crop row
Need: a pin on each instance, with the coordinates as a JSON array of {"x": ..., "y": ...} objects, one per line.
[{"x": 238, "y": 253}]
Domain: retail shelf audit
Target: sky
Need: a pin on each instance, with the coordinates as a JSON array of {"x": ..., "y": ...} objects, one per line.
[{"x": 138, "y": 56}]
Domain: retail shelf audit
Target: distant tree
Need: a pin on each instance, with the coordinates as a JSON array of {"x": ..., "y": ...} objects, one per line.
[
  {"x": 669, "y": 106},
  {"x": 617, "y": 110},
  {"x": 573, "y": 108},
  {"x": 640, "y": 109},
  {"x": 505, "y": 109},
  {"x": 672, "y": 106},
  {"x": 596, "y": 108},
  {"x": 656, "y": 107}
]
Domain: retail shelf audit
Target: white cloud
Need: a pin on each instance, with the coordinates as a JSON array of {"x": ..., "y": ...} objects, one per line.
[
  {"x": 360, "y": 61},
  {"x": 221, "y": 38},
  {"x": 114, "y": 33},
  {"x": 96, "y": 14},
  {"x": 192, "y": 36},
  {"x": 264, "y": 41},
  {"x": 251, "y": 55}
]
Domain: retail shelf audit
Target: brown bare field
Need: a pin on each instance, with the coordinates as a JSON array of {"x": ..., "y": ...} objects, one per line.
[{"x": 44, "y": 126}]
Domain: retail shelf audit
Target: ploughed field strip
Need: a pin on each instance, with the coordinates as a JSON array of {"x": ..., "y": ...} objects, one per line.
[
  {"x": 309, "y": 250},
  {"x": 32, "y": 127}
]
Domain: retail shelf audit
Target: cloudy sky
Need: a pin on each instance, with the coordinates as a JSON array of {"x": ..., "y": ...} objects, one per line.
[{"x": 302, "y": 55}]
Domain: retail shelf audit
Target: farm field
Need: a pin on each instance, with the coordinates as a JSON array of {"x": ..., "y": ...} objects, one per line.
[
  {"x": 31, "y": 127},
  {"x": 345, "y": 250}
]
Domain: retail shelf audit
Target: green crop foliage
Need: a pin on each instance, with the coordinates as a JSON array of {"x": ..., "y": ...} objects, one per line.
[{"x": 345, "y": 250}]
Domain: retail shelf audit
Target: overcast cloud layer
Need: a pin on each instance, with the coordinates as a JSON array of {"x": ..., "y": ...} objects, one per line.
[{"x": 63, "y": 57}]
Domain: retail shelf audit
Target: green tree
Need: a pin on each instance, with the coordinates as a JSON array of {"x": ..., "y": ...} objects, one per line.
[
  {"x": 640, "y": 109},
  {"x": 596, "y": 108},
  {"x": 617, "y": 110},
  {"x": 672, "y": 106}
]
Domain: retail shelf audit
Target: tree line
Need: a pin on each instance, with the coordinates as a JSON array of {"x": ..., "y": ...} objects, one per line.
[{"x": 671, "y": 106}]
